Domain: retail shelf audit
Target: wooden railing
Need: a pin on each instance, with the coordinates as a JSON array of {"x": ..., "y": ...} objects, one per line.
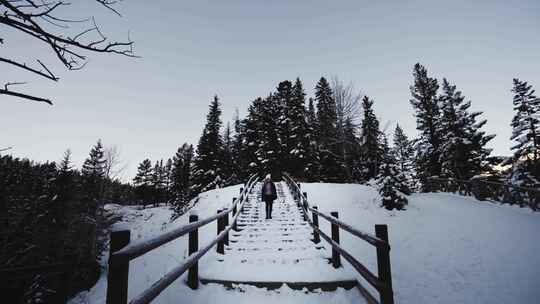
[
  {"x": 122, "y": 252},
  {"x": 483, "y": 189},
  {"x": 383, "y": 282}
]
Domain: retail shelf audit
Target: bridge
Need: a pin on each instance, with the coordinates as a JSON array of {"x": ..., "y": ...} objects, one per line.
[{"x": 289, "y": 249}]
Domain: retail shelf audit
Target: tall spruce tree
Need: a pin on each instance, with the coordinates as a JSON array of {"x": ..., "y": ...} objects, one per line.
[
  {"x": 462, "y": 152},
  {"x": 209, "y": 160},
  {"x": 269, "y": 150},
  {"x": 297, "y": 145},
  {"x": 391, "y": 182},
  {"x": 229, "y": 165},
  {"x": 526, "y": 134},
  {"x": 143, "y": 181},
  {"x": 181, "y": 175},
  {"x": 331, "y": 164},
  {"x": 313, "y": 165},
  {"x": 251, "y": 137},
  {"x": 425, "y": 103},
  {"x": 371, "y": 151},
  {"x": 404, "y": 154},
  {"x": 352, "y": 151},
  {"x": 239, "y": 163},
  {"x": 65, "y": 181},
  {"x": 93, "y": 172}
]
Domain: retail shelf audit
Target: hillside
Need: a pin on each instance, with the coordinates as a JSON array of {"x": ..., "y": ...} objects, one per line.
[{"x": 445, "y": 249}]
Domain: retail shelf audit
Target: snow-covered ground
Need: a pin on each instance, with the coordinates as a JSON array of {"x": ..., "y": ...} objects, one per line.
[{"x": 445, "y": 249}]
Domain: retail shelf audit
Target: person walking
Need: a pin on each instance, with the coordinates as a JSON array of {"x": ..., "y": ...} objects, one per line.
[{"x": 268, "y": 194}]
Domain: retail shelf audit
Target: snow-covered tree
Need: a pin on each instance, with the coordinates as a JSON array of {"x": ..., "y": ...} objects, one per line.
[
  {"x": 143, "y": 181},
  {"x": 251, "y": 137},
  {"x": 313, "y": 165},
  {"x": 425, "y": 103},
  {"x": 391, "y": 182},
  {"x": 181, "y": 175},
  {"x": 269, "y": 152},
  {"x": 462, "y": 151},
  {"x": 93, "y": 172},
  {"x": 209, "y": 160},
  {"x": 297, "y": 143},
  {"x": 526, "y": 134},
  {"x": 370, "y": 134},
  {"x": 332, "y": 167},
  {"x": 403, "y": 151}
]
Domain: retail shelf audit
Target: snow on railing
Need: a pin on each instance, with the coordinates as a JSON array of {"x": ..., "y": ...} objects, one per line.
[
  {"x": 122, "y": 251},
  {"x": 382, "y": 283}
]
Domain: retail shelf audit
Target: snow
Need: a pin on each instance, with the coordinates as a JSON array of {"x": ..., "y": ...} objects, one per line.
[{"x": 446, "y": 248}]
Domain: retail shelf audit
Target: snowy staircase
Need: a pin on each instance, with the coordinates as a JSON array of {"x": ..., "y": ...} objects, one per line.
[{"x": 270, "y": 253}]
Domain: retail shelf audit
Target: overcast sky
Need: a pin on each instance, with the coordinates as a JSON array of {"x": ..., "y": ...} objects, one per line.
[{"x": 239, "y": 50}]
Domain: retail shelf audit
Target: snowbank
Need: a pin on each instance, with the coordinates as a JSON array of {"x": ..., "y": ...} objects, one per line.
[{"x": 446, "y": 248}]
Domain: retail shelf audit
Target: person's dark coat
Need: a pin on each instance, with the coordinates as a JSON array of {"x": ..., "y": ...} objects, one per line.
[{"x": 270, "y": 197}]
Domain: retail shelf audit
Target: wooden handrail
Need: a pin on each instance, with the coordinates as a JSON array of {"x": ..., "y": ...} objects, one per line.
[
  {"x": 383, "y": 283},
  {"x": 122, "y": 256},
  {"x": 138, "y": 248},
  {"x": 153, "y": 291},
  {"x": 371, "y": 239},
  {"x": 366, "y": 274}
]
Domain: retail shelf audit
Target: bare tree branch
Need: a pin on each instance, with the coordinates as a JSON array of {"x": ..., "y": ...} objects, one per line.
[
  {"x": 25, "y": 96},
  {"x": 28, "y": 17}
]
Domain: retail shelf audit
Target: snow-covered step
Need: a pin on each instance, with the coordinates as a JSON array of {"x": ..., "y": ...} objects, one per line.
[{"x": 273, "y": 252}]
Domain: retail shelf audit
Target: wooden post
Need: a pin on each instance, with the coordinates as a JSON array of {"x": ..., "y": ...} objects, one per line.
[
  {"x": 383, "y": 265},
  {"x": 235, "y": 210},
  {"x": 220, "y": 245},
  {"x": 225, "y": 225},
  {"x": 193, "y": 246},
  {"x": 117, "y": 279},
  {"x": 336, "y": 259},
  {"x": 316, "y": 236},
  {"x": 305, "y": 205}
]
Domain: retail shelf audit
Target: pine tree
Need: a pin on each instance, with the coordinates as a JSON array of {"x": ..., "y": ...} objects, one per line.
[
  {"x": 425, "y": 103},
  {"x": 352, "y": 151},
  {"x": 404, "y": 154},
  {"x": 209, "y": 160},
  {"x": 251, "y": 137},
  {"x": 332, "y": 168},
  {"x": 297, "y": 144},
  {"x": 462, "y": 152},
  {"x": 181, "y": 175},
  {"x": 93, "y": 172},
  {"x": 313, "y": 165},
  {"x": 167, "y": 170},
  {"x": 269, "y": 151},
  {"x": 392, "y": 183},
  {"x": 526, "y": 133},
  {"x": 369, "y": 141},
  {"x": 65, "y": 181},
  {"x": 143, "y": 181},
  {"x": 229, "y": 166},
  {"x": 239, "y": 163}
]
